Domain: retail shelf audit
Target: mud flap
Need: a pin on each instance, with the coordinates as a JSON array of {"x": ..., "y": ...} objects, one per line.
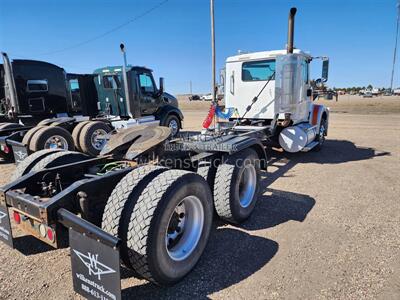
[
  {"x": 5, "y": 227},
  {"x": 20, "y": 151},
  {"x": 95, "y": 261}
]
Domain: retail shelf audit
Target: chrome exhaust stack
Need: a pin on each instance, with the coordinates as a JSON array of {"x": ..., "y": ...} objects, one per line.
[
  {"x": 290, "y": 46},
  {"x": 10, "y": 89}
]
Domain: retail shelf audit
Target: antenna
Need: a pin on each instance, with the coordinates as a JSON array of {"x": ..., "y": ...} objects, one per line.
[{"x": 395, "y": 44}]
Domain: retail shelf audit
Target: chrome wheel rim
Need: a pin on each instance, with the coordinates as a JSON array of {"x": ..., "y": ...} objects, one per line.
[
  {"x": 173, "y": 124},
  {"x": 56, "y": 142},
  {"x": 247, "y": 185},
  {"x": 184, "y": 229},
  {"x": 321, "y": 133},
  {"x": 98, "y": 139}
]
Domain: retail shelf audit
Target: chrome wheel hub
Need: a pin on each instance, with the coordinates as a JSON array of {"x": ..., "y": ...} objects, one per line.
[
  {"x": 56, "y": 142},
  {"x": 173, "y": 124},
  {"x": 184, "y": 228},
  {"x": 98, "y": 139},
  {"x": 247, "y": 185}
]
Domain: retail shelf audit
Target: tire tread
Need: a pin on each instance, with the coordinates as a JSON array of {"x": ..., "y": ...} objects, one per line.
[
  {"x": 116, "y": 206},
  {"x": 140, "y": 222}
]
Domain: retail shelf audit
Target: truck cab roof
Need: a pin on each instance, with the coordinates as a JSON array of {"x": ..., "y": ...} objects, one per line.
[
  {"x": 117, "y": 69},
  {"x": 33, "y": 63},
  {"x": 263, "y": 55}
]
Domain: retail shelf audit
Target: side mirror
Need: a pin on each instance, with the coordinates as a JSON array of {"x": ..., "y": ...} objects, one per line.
[
  {"x": 325, "y": 68},
  {"x": 161, "y": 89}
]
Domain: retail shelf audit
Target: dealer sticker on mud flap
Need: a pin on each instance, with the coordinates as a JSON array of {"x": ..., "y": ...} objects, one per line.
[
  {"x": 95, "y": 268},
  {"x": 20, "y": 153},
  {"x": 5, "y": 227}
]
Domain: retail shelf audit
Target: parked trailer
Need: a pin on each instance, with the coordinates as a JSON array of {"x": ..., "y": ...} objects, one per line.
[
  {"x": 147, "y": 199},
  {"x": 93, "y": 105}
]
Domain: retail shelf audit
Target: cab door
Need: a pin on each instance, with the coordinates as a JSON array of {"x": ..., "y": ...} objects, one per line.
[
  {"x": 306, "y": 92},
  {"x": 149, "y": 100}
]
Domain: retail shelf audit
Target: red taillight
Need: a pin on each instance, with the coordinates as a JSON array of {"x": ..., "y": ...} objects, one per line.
[
  {"x": 17, "y": 217},
  {"x": 50, "y": 234},
  {"x": 6, "y": 149}
]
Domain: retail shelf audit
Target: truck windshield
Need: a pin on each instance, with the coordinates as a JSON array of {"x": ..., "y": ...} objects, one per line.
[
  {"x": 146, "y": 83},
  {"x": 258, "y": 70},
  {"x": 74, "y": 85}
]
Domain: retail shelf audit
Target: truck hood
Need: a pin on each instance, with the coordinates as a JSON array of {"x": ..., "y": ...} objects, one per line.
[{"x": 170, "y": 99}]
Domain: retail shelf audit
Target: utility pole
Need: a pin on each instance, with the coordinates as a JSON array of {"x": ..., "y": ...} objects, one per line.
[
  {"x": 190, "y": 84},
  {"x": 395, "y": 45},
  {"x": 213, "y": 50}
]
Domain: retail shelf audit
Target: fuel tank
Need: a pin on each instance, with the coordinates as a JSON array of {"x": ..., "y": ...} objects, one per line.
[{"x": 297, "y": 138}]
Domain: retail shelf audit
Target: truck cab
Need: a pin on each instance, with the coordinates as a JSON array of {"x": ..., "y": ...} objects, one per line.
[
  {"x": 146, "y": 100},
  {"x": 246, "y": 74},
  {"x": 273, "y": 89}
]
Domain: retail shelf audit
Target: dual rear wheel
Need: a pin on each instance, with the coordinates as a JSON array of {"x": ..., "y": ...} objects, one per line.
[
  {"x": 91, "y": 136},
  {"x": 88, "y": 137},
  {"x": 163, "y": 217},
  {"x": 235, "y": 184}
]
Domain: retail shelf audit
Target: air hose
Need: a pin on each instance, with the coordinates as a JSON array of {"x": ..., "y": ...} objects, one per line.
[{"x": 210, "y": 116}]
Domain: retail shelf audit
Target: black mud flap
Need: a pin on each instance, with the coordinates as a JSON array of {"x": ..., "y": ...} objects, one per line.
[
  {"x": 95, "y": 261},
  {"x": 20, "y": 151},
  {"x": 5, "y": 227}
]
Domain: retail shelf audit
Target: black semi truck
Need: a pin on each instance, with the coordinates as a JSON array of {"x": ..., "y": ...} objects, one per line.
[{"x": 43, "y": 107}]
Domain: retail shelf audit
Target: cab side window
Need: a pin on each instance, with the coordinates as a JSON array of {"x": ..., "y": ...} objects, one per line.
[
  {"x": 111, "y": 82},
  {"x": 146, "y": 83},
  {"x": 37, "y": 86},
  {"x": 304, "y": 66}
]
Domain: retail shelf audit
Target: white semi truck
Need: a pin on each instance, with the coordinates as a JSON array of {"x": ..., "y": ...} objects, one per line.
[{"x": 284, "y": 103}]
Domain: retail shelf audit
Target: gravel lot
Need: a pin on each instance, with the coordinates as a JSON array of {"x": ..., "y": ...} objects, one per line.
[{"x": 326, "y": 226}]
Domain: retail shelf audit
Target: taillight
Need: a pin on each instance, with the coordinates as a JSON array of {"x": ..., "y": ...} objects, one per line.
[
  {"x": 50, "y": 234},
  {"x": 6, "y": 149},
  {"x": 17, "y": 217}
]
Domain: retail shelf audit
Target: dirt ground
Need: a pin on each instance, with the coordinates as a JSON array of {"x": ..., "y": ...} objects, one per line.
[{"x": 326, "y": 226}]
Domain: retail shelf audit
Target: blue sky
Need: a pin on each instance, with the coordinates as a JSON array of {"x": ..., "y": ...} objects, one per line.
[{"x": 173, "y": 40}]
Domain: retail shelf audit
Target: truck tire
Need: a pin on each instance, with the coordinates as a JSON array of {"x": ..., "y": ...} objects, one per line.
[
  {"x": 76, "y": 132},
  {"x": 29, "y": 134},
  {"x": 57, "y": 159},
  {"x": 50, "y": 137},
  {"x": 208, "y": 172},
  {"x": 320, "y": 138},
  {"x": 170, "y": 226},
  {"x": 88, "y": 140},
  {"x": 173, "y": 122},
  {"x": 27, "y": 164},
  {"x": 121, "y": 202},
  {"x": 237, "y": 186}
]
